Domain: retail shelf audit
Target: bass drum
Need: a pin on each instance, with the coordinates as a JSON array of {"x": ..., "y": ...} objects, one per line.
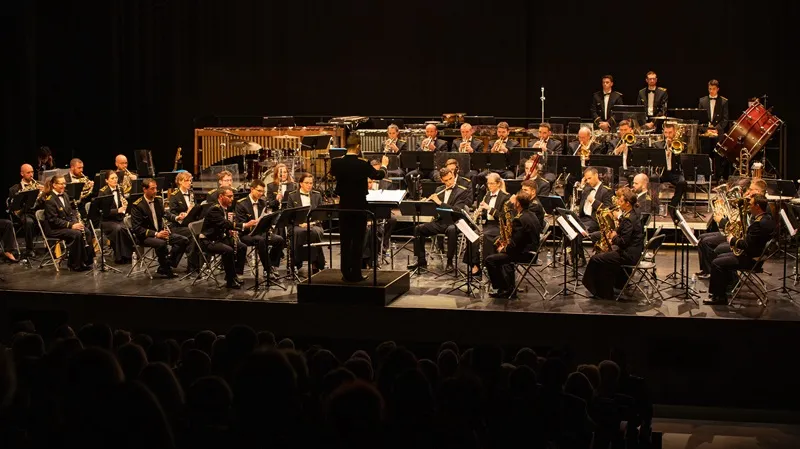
[{"x": 750, "y": 132}]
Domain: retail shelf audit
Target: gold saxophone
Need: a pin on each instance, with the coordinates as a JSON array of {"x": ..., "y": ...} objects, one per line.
[
  {"x": 608, "y": 222},
  {"x": 506, "y": 225}
]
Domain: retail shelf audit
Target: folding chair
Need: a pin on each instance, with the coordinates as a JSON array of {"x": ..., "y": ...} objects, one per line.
[
  {"x": 750, "y": 277},
  {"x": 145, "y": 256},
  {"x": 646, "y": 269},
  {"x": 526, "y": 269},
  {"x": 54, "y": 261},
  {"x": 208, "y": 265}
]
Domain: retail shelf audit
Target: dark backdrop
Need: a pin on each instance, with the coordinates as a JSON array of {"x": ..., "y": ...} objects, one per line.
[{"x": 91, "y": 80}]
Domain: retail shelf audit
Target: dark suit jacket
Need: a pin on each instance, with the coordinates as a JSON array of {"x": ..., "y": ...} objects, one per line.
[
  {"x": 216, "y": 224},
  {"x": 402, "y": 145},
  {"x": 351, "y": 174},
  {"x": 524, "y": 234},
  {"x": 459, "y": 197},
  {"x": 629, "y": 240},
  {"x": 244, "y": 209},
  {"x": 111, "y": 214},
  {"x": 542, "y": 186},
  {"x": 466, "y": 183},
  {"x": 316, "y": 198},
  {"x": 441, "y": 145},
  {"x": 659, "y": 101},
  {"x": 644, "y": 204},
  {"x": 598, "y": 103},
  {"x": 497, "y": 210},
  {"x": 554, "y": 146},
  {"x": 142, "y": 219},
  {"x": 475, "y": 143},
  {"x": 272, "y": 193},
  {"x": 720, "y": 119},
  {"x": 758, "y": 234},
  {"x": 56, "y": 215},
  {"x": 676, "y": 159},
  {"x": 510, "y": 143},
  {"x": 604, "y": 196},
  {"x": 538, "y": 210},
  {"x": 177, "y": 205},
  {"x": 595, "y": 148}
]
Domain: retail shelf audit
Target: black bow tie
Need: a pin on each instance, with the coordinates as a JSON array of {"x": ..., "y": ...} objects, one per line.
[
  {"x": 494, "y": 195},
  {"x": 60, "y": 195},
  {"x": 305, "y": 194},
  {"x": 712, "y": 98},
  {"x": 651, "y": 91},
  {"x": 606, "y": 94}
]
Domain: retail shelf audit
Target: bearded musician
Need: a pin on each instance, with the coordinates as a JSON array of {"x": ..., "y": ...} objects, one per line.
[
  {"x": 547, "y": 144},
  {"x": 501, "y": 145},
  {"x": 491, "y": 210},
  {"x": 604, "y": 270},
  {"x": 27, "y": 219},
  {"x": 529, "y": 186},
  {"x": 63, "y": 222},
  {"x": 76, "y": 175},
  {"x": 221, "y": 237}
]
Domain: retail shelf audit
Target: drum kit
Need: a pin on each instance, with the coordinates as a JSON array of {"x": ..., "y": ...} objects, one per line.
[{"x": 262, "y": 166}]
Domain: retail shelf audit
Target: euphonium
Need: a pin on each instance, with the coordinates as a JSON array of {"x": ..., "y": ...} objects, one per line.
[
  {"x": 608, "y": 222},
  {"x": 738, "y": 228}
]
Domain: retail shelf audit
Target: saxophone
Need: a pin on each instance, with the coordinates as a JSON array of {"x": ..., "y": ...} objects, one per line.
[
  {"x": 608, "y": 222},
  {"x": 506, "y": 225}
]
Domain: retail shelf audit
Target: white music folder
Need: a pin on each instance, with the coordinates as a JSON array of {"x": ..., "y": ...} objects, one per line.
[
  {"x": 788, "y": 223},
  {"x": 385, "y": 196},
  {"x": 565, "y": 226},
  {"x": 467, "y": 231}
]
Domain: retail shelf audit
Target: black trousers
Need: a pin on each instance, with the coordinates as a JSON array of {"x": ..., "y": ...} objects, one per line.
[
  {"x": 384, "y": 238},
  {"x": 167, "y": 258},
  {"x": 232, "y": 262},
  {"x": 192, "y": 254},
  {"x": 706, "y": 249},
  {"x": 26, "y": 224},
  {"x": 604, "y": 272},
  {"x": 352, "y": 229},
  {"x": 501, "y": 270},
  {"x": 269, "y": 251},
  {"x": 722, "y": 271},
  {"x": 491, "y": 231},
  {"x": 433, "y": 228},
  {"x": 722, "y": 166},
  {"x": 301, "y": 236},
  {"x": 120, "y": 240},
  {"x": 7, "y": 235},
  {"x": 80, "y": 254},
  {"x": 591, "y": 226},
  {"x": 677, "y": 180}
]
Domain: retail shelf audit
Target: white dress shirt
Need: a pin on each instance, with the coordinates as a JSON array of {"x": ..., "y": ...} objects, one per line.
[
  {"x": 606, "y": 96},
  {"x": 669, "y": 157},
  {"x": 153, "y": 212},
  {"x": 492, "y": 202},
  {"x": 188, "y": 199},
  {"x": 305, "y": 199},
  {"x": 712, "y": 103},
  {"x": 651, "y": 98},
  {"x": 587, "y": 205},
  {"x": 447, "y": 193},
  {"x": 255, "y": 207}
]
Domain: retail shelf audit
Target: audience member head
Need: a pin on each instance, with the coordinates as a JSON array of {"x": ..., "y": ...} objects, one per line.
[
  {"x": 448, "y": 363},
  {"x": 429, "y": 369},
  {"x": 194, "y": 365},
  {"x": 143, "y": 340},
  {"x": 265, "y": 389},
  {"x": 160, "y": 379},
  {"x": 411, "y": 397},
  {"x": 242, "y": 340},
  {"x": 63, "y": 331},
  {"x": 382, "y": 351},
  {"x": 209, "y": 401},
  {"x": 578, "y": 385},
  {"x": 121, "y": 337},
  {"x": 361, "y": 368},
  {"x": 451, "y": 345},
  {"x": 298, "y": 362},
  {"x": 334, "y": 379},
  {"x": 27, "y": 345},
  {"x": 97, "y": 335},
  {"x": 204, "y": 340},
  {"x": 320, "y": 364},
  {"x": 397, "y": 362},
  {"x": 135, "y": 417},
  {"x": 522, "y": 382},
  {"x": 592, "y": 373},
  {"x": 362, "y": 354},
  {"x": 554, "y": 373},
  {"x": 266, "y": 339},
  {"x": 354, "y": 415},
  {"x": 526, "y": 357},
  {"x": 26, "y": 326},
  {"x": 132, "y": 360},
  {"x": 609, "y": 378},
  {"x": 286, "y": 343}
]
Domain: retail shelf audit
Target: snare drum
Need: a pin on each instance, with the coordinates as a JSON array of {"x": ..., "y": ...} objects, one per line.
[{"x": 750, "y": 132}]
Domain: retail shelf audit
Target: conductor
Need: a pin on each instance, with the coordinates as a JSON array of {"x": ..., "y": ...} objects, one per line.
[{"x": 351, "y": 172}]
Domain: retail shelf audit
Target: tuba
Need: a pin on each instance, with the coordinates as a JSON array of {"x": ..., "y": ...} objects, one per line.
[{"x": 608, "y": 221}]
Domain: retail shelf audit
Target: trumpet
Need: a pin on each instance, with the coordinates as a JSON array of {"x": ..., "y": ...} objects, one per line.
[
  {"x": 465, "y": 146},
  {"x": 387, "y": 145},
  {"x": 499, "y": 147},
  {"x": 541, "y": 143},
  {"x": 426, "y": 143}
]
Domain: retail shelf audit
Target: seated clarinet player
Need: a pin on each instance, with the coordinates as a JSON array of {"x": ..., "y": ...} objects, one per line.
[
  {"x": 450, "y": 195},
  {"x": 181, "y": 202},
  {"x": 221, "y": 237},
  {"x": 62, "y": 222},
  {"x": 384, "y": 228},
  {"x": 517, "y": 247},
  {"x": 604, "y": 271},
  {"x": 251, "y": 208},
  {"x": 491, "y": 210},
  {"x": 282, "y": 183},
  {"x": 112, "y": 226},
  {"x": 305, "y": 196},
  {"x": 151, "y": 230}
]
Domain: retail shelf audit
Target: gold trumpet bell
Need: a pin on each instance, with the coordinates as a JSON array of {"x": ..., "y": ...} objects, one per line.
[{"x": 677, "y": 146}]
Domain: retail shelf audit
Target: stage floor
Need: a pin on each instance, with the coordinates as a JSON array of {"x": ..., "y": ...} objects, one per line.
[{"x": 426, "y": 292}]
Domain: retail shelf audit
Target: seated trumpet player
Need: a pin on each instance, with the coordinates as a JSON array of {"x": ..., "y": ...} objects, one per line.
[
  {"x": 431, "y": 142},
  {"x": 221, "y": 237},
  {"x": 63, "y": 222},
  {"x": 181, "y": 202},
  {"x": 625, "y": 243},
  {"x": 747, "y": 248},
  {"x": 128, "y": 176},
  {"x": 305, "y": 196},
  {"x": 394, "y": 145},
  {"x": 451, "y": 195},
  {"x": 152, "y": 231},
  {"x": 26, "y": 219},
  {"x": 673, "y": 173},
  {"x": 533, "y": 167},
  {"x": 466, "y": 144},
  {"x": 282, "y": 183},
  {"x": 624, "y": 142},
  {"x": 76, "y": 175},
  {"x": 501, "y": 145},
  {"x": 546, "y": 143},
  {"x": 112, "y": 226},
  {"x": 602, "y": 103},
  {"x": 489, "y": 211},
  {"x": 251, "y": 208},
  {"x": 516, "y": 246}
]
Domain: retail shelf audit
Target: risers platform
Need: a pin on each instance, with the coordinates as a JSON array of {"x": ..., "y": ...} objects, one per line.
[{"x": 327, "y": 287}]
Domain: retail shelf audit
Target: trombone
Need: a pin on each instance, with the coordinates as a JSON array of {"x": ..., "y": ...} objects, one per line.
[{"x": 676, "y": 146}]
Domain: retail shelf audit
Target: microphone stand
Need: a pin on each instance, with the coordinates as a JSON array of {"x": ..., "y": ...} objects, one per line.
[{"x": 542, "y": 98}]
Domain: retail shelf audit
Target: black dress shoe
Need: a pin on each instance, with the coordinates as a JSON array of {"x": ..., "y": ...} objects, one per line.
[
  {"x": 449, "y": 267},
  {"x": 232, "y": 284},
  {"x": 414, "y": 266},
  {"x": 716, "y": 301},
  {"x": 166, "y": 272},
  {"x": 238, "y": 281},
  {"x": 500, "y": 294}
]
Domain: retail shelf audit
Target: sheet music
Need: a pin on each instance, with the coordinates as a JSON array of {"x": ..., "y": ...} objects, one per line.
[
  {"x": 467, "y": 231},
  {"x": 567, "y": 228},
  {"x": 788, "y": 224},
  {"x": 394, "y": 196},
  {"x": 688, "y": 233},
  {"x": 577, "y": 225}
]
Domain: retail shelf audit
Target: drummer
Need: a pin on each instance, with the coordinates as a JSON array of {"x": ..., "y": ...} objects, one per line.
[{"x": 716, "y": 107}]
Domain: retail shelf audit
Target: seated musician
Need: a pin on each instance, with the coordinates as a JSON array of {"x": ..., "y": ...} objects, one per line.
[
  {"x": 111, "y": 224},
  {"x": 76, "y": 175},
  {"x": 713, "y": 244},
  {"x": 546, "y": 143},
  {"x": 593, "y": 195},
  {"x": 716, "y": 107},
  {"x": 644, "y": 202},
  {"x": 604, "y": 270},
  {"x": 305, "y": 196},
  {"x": 452, "y": 165},
  {"x": 394, "y": 145},
  {"x": 218, "y": 229},
  {"x": 618, "y": 146},
  {"x": 491, "y": 213},
  {"x": 524, "y": 239},
  {"x": 501, "y": 145},
  {"x": 431, "y": 142},
  {"x": 251, "y": 208},
  {"x": 759, "y": 232},
  {"x": 62, "y": 222},
  {"x": 673, "y": 173},
  {"x": 466, "y": 144},
  {"x": 531, "y": 173},
  {"x": 151, "y": 231},
  {"x": 530, "y": 187},
  {"x": 27, "y": 220},
  {"x": 121, "y": 162},
  {"x": 8, "y": 237},
  {"x": 585, "y": 145},
  {"x": 384, "y": 228},
  {"x": 282, "y": 183},
  {"x": 451, "y": 195},
  {"x": 653, "y": 98},
  {"x": 224, "y": 179},
  {"x": 602, "y": 103},
  {"x": 181, "y": 202}
]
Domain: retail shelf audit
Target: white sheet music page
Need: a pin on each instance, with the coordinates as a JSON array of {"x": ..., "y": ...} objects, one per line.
[
  {"x": 566, "y": 227},
  {"x": 788, "y": 224},
  {"x": 577, "y": 225},
  {"x": 467, "y": 231}
]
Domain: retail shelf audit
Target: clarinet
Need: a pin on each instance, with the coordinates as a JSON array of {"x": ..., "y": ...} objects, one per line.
[{"x": 83, "y": 232}]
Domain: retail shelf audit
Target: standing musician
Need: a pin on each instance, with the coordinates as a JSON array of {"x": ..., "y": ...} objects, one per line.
[
  {"x": 384, "y": 231},
  {"x": 673, "y": 173},
  {"x": 431, "y": 142},
  {"x": 221, "y": 237},
  {"x": 759, "y": 232},
  {"x": 76, "y": 175},
  {"x": 491, "y": 210},
  {"x": 654, "y": 99},
  {"x": 644, "y": 202},
  {"x": 523, "y": 240},
  {"x": 545, "y": 143},
  {"x": 306, "y": 197},
  {"x": 452, "y": 195},
  {"x": 352, "y": 174},
  {"x": 466, "y": 144},
  {"x": 27, "y": 221},
  {"x": 248, "y": 210},
  {"x": 149, "y": 227},
  {"x": 112, "y": 225},
  {"x": 602, "y": 102},
  {"x": 224, "y": 179},
  {"x": 604, "y": 269},
  {"x": 717, "y": 108},
  {"x": 8, "y": 238},
  {"x": 282, "y": 183},
  {"x": 532, "y": 174},
  {"x": 128, "y": 176},
  {"x": 181, "y": 202},
  {"x": 63, "y": 222},
  {"x": 394, "y": 145}
]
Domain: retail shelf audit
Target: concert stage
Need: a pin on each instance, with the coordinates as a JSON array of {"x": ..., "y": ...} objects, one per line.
[{"x": 696, "y": 354}]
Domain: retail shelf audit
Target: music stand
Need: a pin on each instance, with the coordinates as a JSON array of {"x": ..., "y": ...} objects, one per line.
[
  {"x": 418, "y": 161},
  {"x": 648, "y": 157},
  {"x": 701, "y": 165},
  {"x": 472, "y": 232},
  {"x": 689, "y": 237},
  {"x": 513, "y": 185},
  {"x": 416, "y": 209},
  {"x": 381, "y": 203},
  {"x": 486, "y": 161},
  {"x": 99, "y": 206},
  {"x": 550, "y": 204},
  {"x": 24, "y": 202},
  {"x": 789, "y": 225},
  {"x": 314, "y": 143},
  {"x": 169, "y": 178},
  {"x": 569, "y": 234},
  {"x": 287, "y": 219},
  {"x": 612, "y": 161},
  {"x": 264, "y": 226},
  {"x": 333, "y": 153},
  {"x": 99, "y": 183}
]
